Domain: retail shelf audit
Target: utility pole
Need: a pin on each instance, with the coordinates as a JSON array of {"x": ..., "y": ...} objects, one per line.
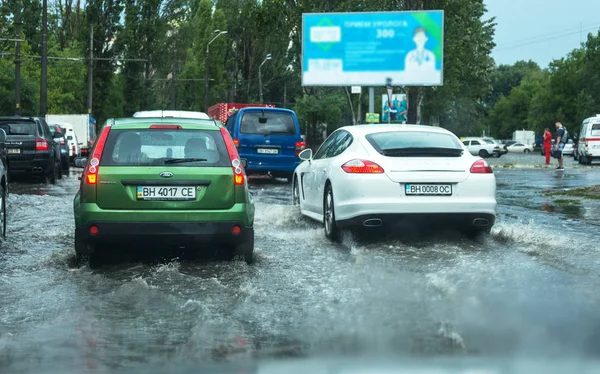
[
  {"x": 260, "y": 91},
  {"x": 206, "y": 62},
  {"x": 285, "y": 95},
  {"x": 18, "y": 60},
  {"x": 44, "y": 77},
  {"x": 90, "y": 70},
  {"x": 173, "y": 68}
]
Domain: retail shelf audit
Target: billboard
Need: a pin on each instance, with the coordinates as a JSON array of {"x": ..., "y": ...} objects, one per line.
[
  {"x": 363, "y": 49},
  {"x": 396, "y": 111}
]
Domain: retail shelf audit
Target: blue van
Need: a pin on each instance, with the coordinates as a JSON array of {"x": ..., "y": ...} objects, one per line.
[{"x": 268, "y": 139}]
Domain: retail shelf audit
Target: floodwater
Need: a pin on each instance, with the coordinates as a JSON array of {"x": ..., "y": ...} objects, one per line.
[{"x": 529, "y": 290}]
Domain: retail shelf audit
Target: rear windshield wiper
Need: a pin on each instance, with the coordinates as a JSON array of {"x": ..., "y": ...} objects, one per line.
[
  {"x": 422, "y": 152},
  {"x": 182, "y": 160},
  {"x": 277, "y": 133}
]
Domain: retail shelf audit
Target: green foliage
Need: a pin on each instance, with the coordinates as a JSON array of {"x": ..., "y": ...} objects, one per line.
[{"x": 568, "y": 91}]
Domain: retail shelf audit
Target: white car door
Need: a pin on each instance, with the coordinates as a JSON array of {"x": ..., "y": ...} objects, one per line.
[
  {"x": 308, "y": 176},
  {"x": 340, "y": 142}
]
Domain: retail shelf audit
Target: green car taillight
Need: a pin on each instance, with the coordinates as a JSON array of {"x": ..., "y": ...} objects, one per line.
[
  {"x": 236, "y": 164},
  {"x": 91, "y": 174}
]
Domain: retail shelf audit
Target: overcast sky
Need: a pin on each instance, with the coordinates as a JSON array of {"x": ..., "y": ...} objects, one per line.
[{"x": 541, "y": 30}]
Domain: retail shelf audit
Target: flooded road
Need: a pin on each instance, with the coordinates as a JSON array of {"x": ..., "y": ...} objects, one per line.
[{"x": 529, "y": 290}]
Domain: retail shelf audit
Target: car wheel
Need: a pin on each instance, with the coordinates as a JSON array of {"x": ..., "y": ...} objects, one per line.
[
  {"x": 246, "y": 250},
  {"x": 51, "y": 177},
  {"x": 83, "y": 250},
  {"x": 526, "y": 151},
  {"x": 331, "y": 229},
  {"x": 295, "y": 193},
  {"x": 66, "y": 167},
  {"x": 3, "y": 215},
  {"x": 483, "y": 153},
  {"x": 58, "y": 168},
  {"x": 497, "y": 155}
]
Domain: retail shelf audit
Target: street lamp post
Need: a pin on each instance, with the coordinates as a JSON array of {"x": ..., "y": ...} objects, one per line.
[
  {"x": 219, "y": 33},
  {"x": 260, "y": 92}
]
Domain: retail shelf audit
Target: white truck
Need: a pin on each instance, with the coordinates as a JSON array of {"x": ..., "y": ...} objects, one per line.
[
  {"x": 524, "y": 136},
  {"x": 84, "y": 127}
]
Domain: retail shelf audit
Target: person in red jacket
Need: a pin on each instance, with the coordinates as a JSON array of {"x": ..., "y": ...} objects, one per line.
[{"x": 547, "y": 145}]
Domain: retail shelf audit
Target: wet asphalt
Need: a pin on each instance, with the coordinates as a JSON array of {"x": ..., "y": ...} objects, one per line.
[{"x": 530, "y": 289}]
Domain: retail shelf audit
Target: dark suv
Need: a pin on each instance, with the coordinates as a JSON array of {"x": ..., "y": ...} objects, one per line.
[{"x": 32, "y": 150}]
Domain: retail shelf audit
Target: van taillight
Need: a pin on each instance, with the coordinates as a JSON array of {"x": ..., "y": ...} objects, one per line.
[
  {"x": 41, "y": 144},
  {"x": 236, "y": 142},
  {"x": 300, "y": 146},
  {"x": 91, "y": 174},
  {"x": 236, "y": 164}
]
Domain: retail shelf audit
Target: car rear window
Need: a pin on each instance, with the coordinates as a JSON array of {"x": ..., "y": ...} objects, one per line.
[
  {"x": 276, "y": 123},
  {"x": 143, "y": 147},
  {"x": 596, "y": 129},
  {"x": 18, "y": 127},
  {"x": 415, "y": 144}
]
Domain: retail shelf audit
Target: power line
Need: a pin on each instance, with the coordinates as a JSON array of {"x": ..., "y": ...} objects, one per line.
[
  {"x": 546, "y": 35},
  {"x": 525, "y": 43},
  {"x": 78, "y": 58}
]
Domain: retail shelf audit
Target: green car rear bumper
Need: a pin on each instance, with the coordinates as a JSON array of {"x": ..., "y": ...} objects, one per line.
[{"x": 163, "y": 227}]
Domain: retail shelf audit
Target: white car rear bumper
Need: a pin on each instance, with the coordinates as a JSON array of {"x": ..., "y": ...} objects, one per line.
[{"x": 377, "y": 197}]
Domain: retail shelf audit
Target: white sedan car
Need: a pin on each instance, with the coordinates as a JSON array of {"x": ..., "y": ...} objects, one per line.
[
  {"x": 392, "y": 176},
  {"x": 519, "y": 148}
]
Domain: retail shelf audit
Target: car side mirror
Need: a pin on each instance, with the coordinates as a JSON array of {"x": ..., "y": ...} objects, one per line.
[
  {"x": 305, "y": 154},
  {"x": 2, "y": 136}
]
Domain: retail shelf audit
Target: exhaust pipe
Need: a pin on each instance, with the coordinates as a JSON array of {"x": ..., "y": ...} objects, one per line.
[
  {"x": 480, "y": 222},
  {"x": 372, "y": 222}
]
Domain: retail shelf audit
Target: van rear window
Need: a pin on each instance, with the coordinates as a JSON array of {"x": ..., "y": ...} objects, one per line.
[
  {"x": 165, "y": 147},
  {"x": 275, "y": 123},
  {"x": 18, "y": 127},
  {"x": 596, "y": 129}
]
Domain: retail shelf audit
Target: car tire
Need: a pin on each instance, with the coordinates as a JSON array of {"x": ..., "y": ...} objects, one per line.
[
  {"x": 59, "y": 169},
  {"x": 3, "y": 215},
  {"x": 526, "y": 151},
  {"x": 245, "y": 250},
  {"x": 83, "y": 250},
  {"x": 483, "y": 153},
  {"x": 66, "y": 166},
  {"x": 331, "y": 230},
  {"x": 51, "y": 177},
  {"x": 295, "y": 192}
]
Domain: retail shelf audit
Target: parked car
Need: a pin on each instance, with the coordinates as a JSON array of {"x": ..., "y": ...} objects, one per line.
[
  {"x": 166, "y": 182},
  {"x": 268, "y": 139},
  {"x": 352, "y": 181},
  {"x": 501, "y": 147},
  {"x": 3, "y": 186},
  {"x": 64, "y": 147},
  {"x": 32, "y": 150},
  {"x": 72, "y": 144},
  {"x": 520, "y": 148},
  {"x": 588, "y": 145},
  {"x": 569, "y": 147},
  {"x": 480, "y": 147}
]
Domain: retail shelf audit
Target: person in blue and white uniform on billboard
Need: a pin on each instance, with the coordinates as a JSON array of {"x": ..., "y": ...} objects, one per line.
[{"x": 420, "y": 60}]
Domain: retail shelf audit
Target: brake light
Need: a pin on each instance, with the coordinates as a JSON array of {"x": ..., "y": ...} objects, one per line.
[
  {"x": 300, "y": 146},
  {"x": 91, "y": 174},
  {"x": 41, "y": 144},
  {"x": 236, "y": 142},
  {"x": 62, "y": 141},
  {"x": 362, "y": 167},
  {"x": 165, "y": 127},
  {"x": 236, "y": 164},
  {"x": 481, "y": 167}
]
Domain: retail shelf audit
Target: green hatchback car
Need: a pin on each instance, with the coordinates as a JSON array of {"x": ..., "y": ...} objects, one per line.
[{"x": 166, "y": 182}]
